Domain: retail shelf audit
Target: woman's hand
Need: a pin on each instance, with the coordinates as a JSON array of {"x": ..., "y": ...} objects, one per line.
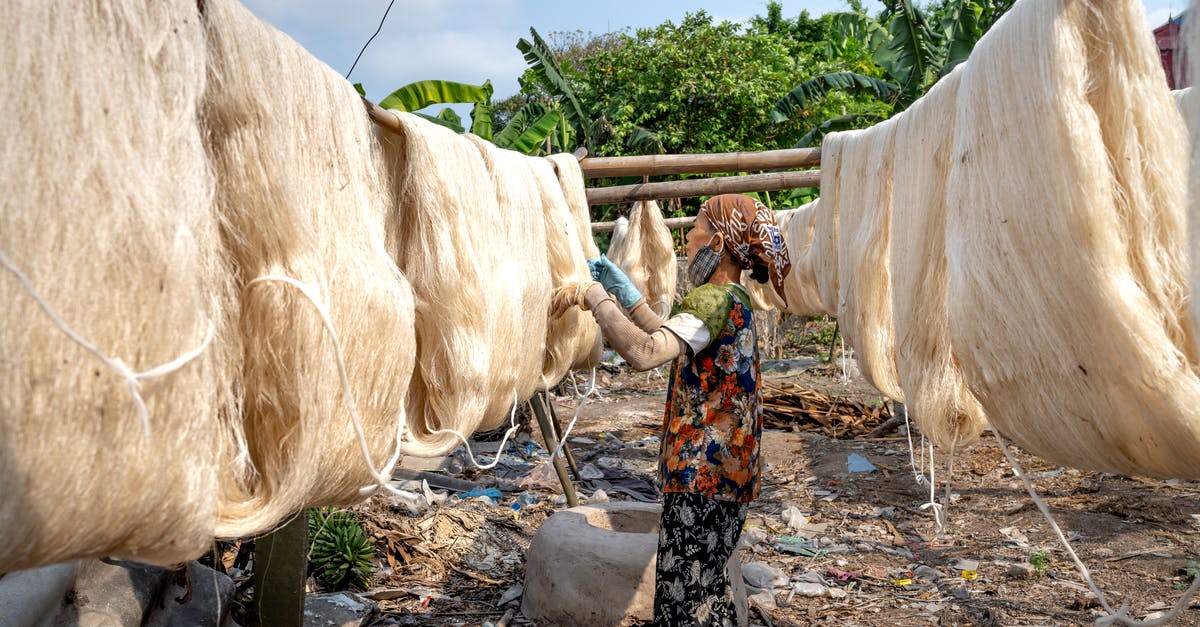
[
  {"x": 567, "y": 296},
  {"x": 615, "y": 281}
]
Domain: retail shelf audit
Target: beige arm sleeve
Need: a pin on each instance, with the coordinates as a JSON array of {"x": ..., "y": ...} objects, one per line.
[{"x": 641, "y": 347}]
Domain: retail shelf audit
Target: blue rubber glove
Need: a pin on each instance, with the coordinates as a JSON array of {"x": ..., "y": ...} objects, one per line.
[{"x": 614, "y": 281}]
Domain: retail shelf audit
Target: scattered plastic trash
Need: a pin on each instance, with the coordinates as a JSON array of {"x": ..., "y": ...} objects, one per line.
[
  {"x": 807, "y": 589},
  {"x": 763, "y": 576},
  {"x": 793, "y": 517},
  {"x": 599, "y": 496},
  {"x": 858, "y": 463},
  {"x": 799, "y": 546},
  {"x": 842, "y": 575},
  {"x": 588, "y": 471},
  {"x": 474, "y": 493}
]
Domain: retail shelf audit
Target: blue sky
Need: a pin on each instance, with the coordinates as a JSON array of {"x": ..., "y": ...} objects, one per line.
[{"x": 474, "y": 40}]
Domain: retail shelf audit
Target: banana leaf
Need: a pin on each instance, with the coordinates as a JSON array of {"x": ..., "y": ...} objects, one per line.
[
  {"x": 816, "y": 88},
  {"x": 421, "y": 94}
]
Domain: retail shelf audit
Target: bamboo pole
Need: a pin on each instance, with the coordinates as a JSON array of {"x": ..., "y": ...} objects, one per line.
[
  {"x": 704, "y": 187},
  {"x": 672, "y": 223},
  {"x": 540, "y": 403},
  {"x": 653, "y": 165},
  {"x": 382, "y": 117}
]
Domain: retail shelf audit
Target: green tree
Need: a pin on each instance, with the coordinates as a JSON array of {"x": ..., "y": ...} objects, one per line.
[{"x": 697, "y": 86}]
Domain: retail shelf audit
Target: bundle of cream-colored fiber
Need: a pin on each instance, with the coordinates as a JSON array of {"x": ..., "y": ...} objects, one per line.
[
  {"x": 863, "y": 208},
  {"x": 301, "y": 197},
  {"x": 821, "y": 257},
  {"x": 1191, "y": 114},
  {"x": 1066, "y": 241},
  {"x": 620, "y": 230},
  {"x": 937, "y": 398},
  {"x": 647, "y": 255},
  {"x": 446, "y": 234},
  {"x": 573, "y": 341},
  {"x": 106, "y": 227},
  {"x": 526, "y": 271}
]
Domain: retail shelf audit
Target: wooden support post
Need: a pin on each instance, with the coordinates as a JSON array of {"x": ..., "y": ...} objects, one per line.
[
  {"x": 704, "y": 187},
  {"x": 655, "y": 165},
  {"x": 540, "y": 403},
  {"x": 558, "y": 434},
  {"x": 280, "y": 570}
]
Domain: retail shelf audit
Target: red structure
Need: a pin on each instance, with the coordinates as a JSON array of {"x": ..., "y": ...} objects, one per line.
[{"x": 1171, "y": 50}]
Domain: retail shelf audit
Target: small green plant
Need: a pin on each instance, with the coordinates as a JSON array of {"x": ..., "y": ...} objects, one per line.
[
  {"x": 339, "y": 552},
  {"x": 1040, "y": 561},
  {"x": 1190, "y": 572}
]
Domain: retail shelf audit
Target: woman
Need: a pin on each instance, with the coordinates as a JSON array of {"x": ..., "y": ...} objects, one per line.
[{"x": 708, "y": 463}]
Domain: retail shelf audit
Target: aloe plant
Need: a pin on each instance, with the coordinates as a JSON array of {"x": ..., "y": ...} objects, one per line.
[{"x": 339, "y": 552}]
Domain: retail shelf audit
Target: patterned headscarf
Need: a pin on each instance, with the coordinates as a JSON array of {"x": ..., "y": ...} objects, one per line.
[{"x": 750, "y": 233}]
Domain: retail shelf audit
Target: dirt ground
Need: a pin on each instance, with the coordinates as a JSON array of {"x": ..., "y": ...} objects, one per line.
[{"x": 866, "y": 542}]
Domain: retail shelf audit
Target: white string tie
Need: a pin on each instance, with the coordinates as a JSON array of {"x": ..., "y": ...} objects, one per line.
[
  {"x": 133, "y": 380},
  {"x": 381, "y": 479},
  {"x": 562, "y": 440},
  {"x": 512, "y": 429},
  {"x": 933, "y": 504}
]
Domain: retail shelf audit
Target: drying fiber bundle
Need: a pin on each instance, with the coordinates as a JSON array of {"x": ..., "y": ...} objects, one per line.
[
  {"x": 804, "y": 298},
  {"x": 522, "y": 239},
  {"x": 936, "y": 395},
  {"x": 1066, "y": 241},
  {"x": 572, "y": 341},
  {"x": 114, "y": 294},
  {"x": 1191, "y": 114},
  {"x": 301, "y": 195},
  {"x": 647, "y": 255},
  {"x": 620, "y": 230},
  {"x": 864, "y": 211},
  {"x": 821, "y": 258},
  {"x": 443, "y": 234}
]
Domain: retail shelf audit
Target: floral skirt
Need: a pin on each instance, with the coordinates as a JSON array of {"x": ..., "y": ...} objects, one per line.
[{"x": 696, "y": 537}]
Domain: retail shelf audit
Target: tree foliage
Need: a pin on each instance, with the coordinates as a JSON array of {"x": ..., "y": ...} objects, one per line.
[{"x": 696, "y": 86}]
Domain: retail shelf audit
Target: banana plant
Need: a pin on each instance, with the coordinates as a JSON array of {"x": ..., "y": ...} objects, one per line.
[
  {"x": 912, "y": 48},
  {"x": 415, "y": 96},
  {"x": 526, "y": 132},
  {"x": 816, "y": 88},
  {"x": 581, "y": 128},
  {"x": 529, "y": 129}
]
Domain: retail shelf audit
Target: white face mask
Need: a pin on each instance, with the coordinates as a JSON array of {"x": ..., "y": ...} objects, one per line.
[{"x": 704, "y": 263}]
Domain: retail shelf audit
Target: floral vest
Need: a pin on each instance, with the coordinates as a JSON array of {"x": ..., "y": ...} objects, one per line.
[{"x": 713, "y": 420}]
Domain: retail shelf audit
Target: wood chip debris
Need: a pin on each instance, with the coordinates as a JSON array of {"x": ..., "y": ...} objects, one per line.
[{"x": 789, "y": 406}]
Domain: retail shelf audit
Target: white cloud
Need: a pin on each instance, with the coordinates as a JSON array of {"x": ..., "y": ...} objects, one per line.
[{"x": 469, "y": 57}]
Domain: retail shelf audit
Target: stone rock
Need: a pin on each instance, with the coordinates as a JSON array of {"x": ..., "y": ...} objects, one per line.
[
  {"x": 1020, "y": 571},
  {"x": 927, "y": 573},
  {"x": 207, "y": 605},
  {"x": 594, "y": 565},
  {"x": 32, "y": 598},
  {"x": 112, "y": 592},
  {"x": 338, "y": 609}
]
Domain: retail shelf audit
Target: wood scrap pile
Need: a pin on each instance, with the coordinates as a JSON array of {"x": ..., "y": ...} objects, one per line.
[{"x": 789, "y": 406}]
